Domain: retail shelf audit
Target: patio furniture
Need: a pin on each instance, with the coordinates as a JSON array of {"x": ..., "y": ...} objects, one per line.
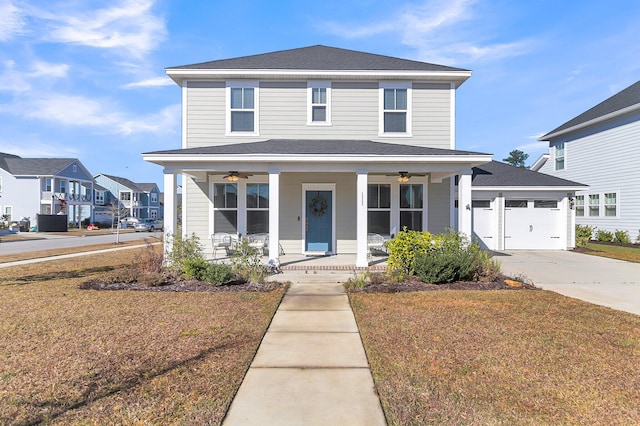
[
  {"x": 259, "y": 242},
  {"x": 375, "y": 242},
  {"x": 221, "y": 240}
]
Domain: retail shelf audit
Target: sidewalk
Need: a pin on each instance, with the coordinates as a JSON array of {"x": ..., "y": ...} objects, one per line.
[{"x": 311, "y": 366}]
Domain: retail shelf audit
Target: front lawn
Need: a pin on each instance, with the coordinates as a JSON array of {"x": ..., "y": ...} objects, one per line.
[
  {"x": 70, "y": 356},
  {"x": 620, "y": 252},
  {"x": 456, "y": 357}
]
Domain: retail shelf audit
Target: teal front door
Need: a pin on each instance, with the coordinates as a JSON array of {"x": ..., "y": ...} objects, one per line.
[{"x": 318, "y": 235}]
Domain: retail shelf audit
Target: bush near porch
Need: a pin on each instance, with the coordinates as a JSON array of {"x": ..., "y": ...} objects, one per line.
[{"x": 441, "y": 258}]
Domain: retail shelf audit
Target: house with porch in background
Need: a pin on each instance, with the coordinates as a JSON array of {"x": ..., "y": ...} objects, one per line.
[
  {"x": 137, "y": 200},
  {"x": 318, "y": 147},
  {"x": 47, "y": 186}
]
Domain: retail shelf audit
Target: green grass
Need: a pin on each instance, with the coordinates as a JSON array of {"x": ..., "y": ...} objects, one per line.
[{"x": 630, "y": 254}]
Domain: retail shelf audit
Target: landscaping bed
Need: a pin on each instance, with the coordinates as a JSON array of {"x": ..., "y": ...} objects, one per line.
[
  {"x": 182, "y": 286},
  {"x": 413, "y": 283}
]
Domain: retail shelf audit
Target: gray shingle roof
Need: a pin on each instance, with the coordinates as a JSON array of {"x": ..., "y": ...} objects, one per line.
[
  {"x": 621, "y": 100},
  {"x": 146, "y": 187},
  {"x": 124, "y": 182},
  {"x": 35, "y": 166},
  {"x": 319, "y": 58},
  {"x": 499, "y": 174},
  {"x": 316, "y": 147}
]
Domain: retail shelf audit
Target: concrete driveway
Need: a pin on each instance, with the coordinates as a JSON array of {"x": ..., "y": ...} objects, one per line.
[{"x": 606, "y": 282}]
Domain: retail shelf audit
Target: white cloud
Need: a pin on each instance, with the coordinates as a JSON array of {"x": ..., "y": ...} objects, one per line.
[
  {"x": 11, "y": 20},
  {"x": 435, "y": 30},
  {"x": 151, "y": 82},
  {"x": 164, "y": 121},
  {"x": 533, "y": 147},
  {"x": 14, "y": 79},
  {"x": 34, "y": 148},
  {"x": 128, "y": 27}
]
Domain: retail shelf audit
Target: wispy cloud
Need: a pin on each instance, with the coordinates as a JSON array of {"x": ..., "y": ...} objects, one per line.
[
  {"x": 34, "y": 148},
  {"x": 533, "y": 147},
  {"x": 151, "y": 82},
  {"x": 11, "y": 20},
  {"x": 103, "y": 115},
  {"x": 14, "y": 79},
  {"x": 435, "y": 29},
  {"x": 127, "y": 27}
]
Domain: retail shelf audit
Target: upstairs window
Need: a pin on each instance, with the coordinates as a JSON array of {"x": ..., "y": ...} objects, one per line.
[
  {"x": 395, "y": 106},
  {"x": 154, "y": 197},
  {"x": 63, "y": 187},
  {"x": 242, "y": 113},
  {"x": 560, "y": 156},
  {"x": 319, "y": 96}
]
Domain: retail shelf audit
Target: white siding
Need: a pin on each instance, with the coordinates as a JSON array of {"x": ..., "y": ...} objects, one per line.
[
  {"x": 23, "y": 194},
  {"x": 608, "y": 161}
]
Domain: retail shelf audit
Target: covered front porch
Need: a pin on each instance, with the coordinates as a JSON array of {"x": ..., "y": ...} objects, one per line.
[{"x": 317, "y": 200}]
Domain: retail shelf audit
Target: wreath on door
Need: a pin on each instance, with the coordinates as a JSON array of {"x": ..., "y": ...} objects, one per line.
[{"x": 318, "y": 206}]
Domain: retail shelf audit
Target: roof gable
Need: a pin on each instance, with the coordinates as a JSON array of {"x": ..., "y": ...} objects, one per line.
[
  {"x": 622, "y": 100},
  {"x": 35, "y": 166},
  {"x": 318, "y": 58}
]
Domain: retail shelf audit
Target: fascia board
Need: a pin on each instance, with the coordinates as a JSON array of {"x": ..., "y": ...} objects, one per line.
[
  {"x": 615, "y": 114},
  {"x": 530, "y": 188}
]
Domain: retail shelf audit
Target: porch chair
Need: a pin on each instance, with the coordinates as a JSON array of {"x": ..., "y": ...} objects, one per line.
[
  {"x": 375, "y": 242},
  {"x": 221, "y": 240}
]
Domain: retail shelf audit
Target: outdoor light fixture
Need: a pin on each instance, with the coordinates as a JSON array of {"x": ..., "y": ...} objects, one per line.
[
  {"x": 404, "y": 177},
  {"x": 234, "y": 176}
]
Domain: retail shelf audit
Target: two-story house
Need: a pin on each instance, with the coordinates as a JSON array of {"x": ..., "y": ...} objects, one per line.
[
  {"x": 599, "y": 148},
  {"x": 139, "y": 200},
  {"x": 32, "y": 186},
  {"x": 320, "y": 146}
]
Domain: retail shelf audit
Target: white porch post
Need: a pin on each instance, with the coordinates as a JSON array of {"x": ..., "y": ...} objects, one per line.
[
  {"x": 170, "y": 205},
  {"x": 361, "y": 220},
  {"x": 274, "y": 214},
  {"x": 464, "y": 202}
]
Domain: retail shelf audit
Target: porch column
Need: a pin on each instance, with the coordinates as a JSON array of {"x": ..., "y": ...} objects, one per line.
[
  {"x": 361, "y": 219},
  {"x": 170, "y": 205},
  {"x": 464, "y": 202},
  {"x": 274, "y": 214}
]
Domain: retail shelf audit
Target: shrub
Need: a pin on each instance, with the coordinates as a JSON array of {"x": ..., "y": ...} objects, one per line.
[
  {"x": 584, "y": 233},
  {"x": 247, "y": 263},
  {"x": 195, "y": 268},
  {"x": 182, "y": 249},
  {"x": 621, "y": 237},
  {"x": 604, "y": 236},
  {"x": 451, "y": 258},
  {"x": 405, "y": 247},
  {"x": 217, "y": 274}
]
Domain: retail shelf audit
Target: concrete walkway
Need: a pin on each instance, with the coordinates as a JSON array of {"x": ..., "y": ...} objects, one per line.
[
  {"x": 607, "y": 282},
  {"x": 311, "y": 367}
]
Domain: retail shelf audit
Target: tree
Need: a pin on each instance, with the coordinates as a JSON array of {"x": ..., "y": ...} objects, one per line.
[
  {"x": 516, "y": 158},
  {"x": 116, "y": 212}
]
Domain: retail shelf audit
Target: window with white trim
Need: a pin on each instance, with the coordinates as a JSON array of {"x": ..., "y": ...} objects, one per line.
[
  {"x": 8, "y": 213},
  {"x": 319, "y": 103},
  {"x": 579, "y": 205},
  {"x": 225, "y": 207},
  {"x": 560, "y": 156},
  {"x": 154, "y": 197},
  {"x": 257, "y": 208},
  {"x": 154, "y": 214},
  {"x": 242, "y": 114},
  {"x": 47, "y": 184},
  {"x": 594, "y": 205},
  {"x": 411, "y": 202},
  {"x": 125, "y": 196},
  {"x": 99, "y": 197},
  {"x": 63, "y": 187},
  {"x": 610, "y": 204},
  {"x": 395, "y": 107},
  {"x": 379, "y": 209}
]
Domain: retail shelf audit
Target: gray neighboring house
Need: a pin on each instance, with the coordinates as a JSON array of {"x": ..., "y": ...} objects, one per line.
[
  {"x": 601, "y": 148},
  {"x": 31, "y": 186},
  {"x": 139, "y": 200},
  {"x": 320, "y": 146}
]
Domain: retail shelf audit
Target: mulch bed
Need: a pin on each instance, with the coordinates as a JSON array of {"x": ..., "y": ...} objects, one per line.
[
  {"x": 183, "y": 286},
  {"x": 414, "y": 284}
]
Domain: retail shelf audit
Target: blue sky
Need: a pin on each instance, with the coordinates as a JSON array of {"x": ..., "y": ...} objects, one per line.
[{"x": 86, "y": 79}]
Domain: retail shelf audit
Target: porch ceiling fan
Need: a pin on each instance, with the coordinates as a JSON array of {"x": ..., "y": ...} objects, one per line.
[
  {"x": 405, "y": 176},
  {"x": 233, "y": 176}
]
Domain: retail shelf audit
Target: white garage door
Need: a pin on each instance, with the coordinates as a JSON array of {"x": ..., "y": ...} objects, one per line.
[
  {"x": 484, "y": 221},
  {"x": 532, "y": 224}
]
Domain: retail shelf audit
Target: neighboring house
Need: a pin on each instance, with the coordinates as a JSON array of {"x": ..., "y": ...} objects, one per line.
[
  {"x": 320, "y": 146},
  {"x": 139, "y": 200},
  {"x": 31, "y": 186},
  {"x": 601, "y": 148}
]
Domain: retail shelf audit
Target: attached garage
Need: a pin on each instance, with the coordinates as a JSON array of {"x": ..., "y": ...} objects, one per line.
[{"x": 514, "y": 208}]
